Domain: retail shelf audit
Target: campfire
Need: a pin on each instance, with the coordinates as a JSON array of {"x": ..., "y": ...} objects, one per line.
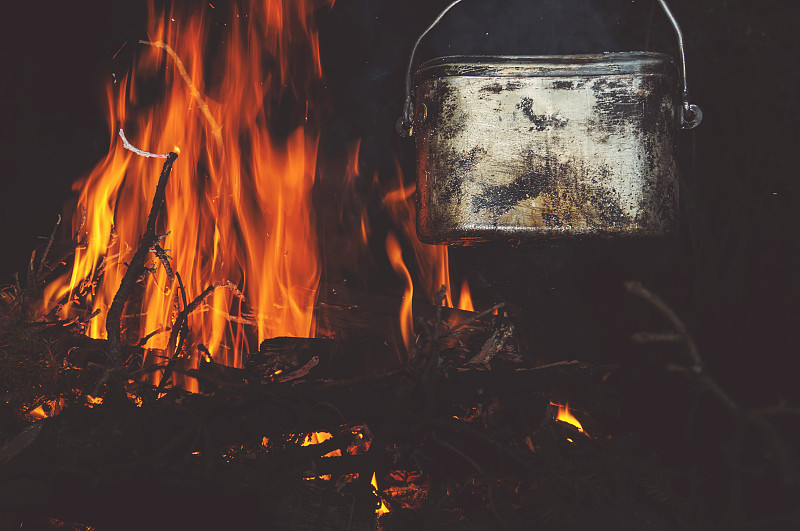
[{"x": 238, "y": 326}]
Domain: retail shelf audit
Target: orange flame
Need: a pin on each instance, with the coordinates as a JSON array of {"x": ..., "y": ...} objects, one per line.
[
  {"x": 316, "y": 438},
  {"x": 238, "y": 204},
  {"x": 50, "y": 408},
  {"x": 465, "y": 298},
  {"x": 395, "y": 254},
  {"x": 433, "y": 260},
  {"x": 564, "y": 415}
]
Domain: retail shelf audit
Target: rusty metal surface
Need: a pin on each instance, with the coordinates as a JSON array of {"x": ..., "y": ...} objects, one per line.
[{"x": 543, "y": 147}]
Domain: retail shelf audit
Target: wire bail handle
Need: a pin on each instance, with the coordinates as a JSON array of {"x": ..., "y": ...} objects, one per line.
[{"x": 691, "y": 114}]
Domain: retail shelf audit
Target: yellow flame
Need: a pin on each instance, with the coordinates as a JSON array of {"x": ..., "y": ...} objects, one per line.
[
  {"x": 316, "y": 438},
  {"x": 564, "y": 415},
  {"x": 382, "y": 509}
]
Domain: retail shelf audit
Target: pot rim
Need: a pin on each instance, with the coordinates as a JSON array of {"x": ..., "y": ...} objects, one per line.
[{"x": 600, "y": 64}]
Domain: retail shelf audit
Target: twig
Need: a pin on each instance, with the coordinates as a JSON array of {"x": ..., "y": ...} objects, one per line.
[
  {"x": 299, "y": 373},
  {"x": 182, "y": 317},
  {"x": 709, "y": 382},
  {"x": 651, "y": 337},
  {"x": 198, "y": 97},
  {"x": 162, "y": 255},
  {"x": 136, "y": 267},
  {"x": 184, "y": 330},
  {"x": 47, "y": 248},
  {"x": 474, "y": 318},
  {"x": 636, "y": 288},
  {"x": 147, "y": 337},
  {"x": 181, "y": 326},
  {"x": 754, "y": 417},
  {"x": 130, "y": 147}
]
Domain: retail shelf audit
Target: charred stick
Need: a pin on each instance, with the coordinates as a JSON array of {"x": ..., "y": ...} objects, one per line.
[
  {"x": 181, "y": 320},
  {"x": 136, "y": 267},
  {"x": 147, "y": 337},
  {"x": 456, "y": 329},
  {"x": 162, "y": 255},
  {"x": 47, "y": 248}
]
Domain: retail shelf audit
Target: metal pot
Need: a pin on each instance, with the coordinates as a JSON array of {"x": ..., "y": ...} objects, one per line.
[{"x": 547, "y": 146}]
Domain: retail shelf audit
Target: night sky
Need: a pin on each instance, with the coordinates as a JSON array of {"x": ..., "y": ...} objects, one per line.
[{"x": 732, "y": 272}]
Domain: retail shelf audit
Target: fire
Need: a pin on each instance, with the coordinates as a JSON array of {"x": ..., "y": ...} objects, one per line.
[
  {"x": 382, "y": 509},
  {"x": 465, "y": 298},
  {"x": 433, "y": 260},
  {"x": 50, "y": 408},
  {"x": 316, "y": 438},
  {"x": 395, "y": 254},
  {"x": 238, "y": 204},
  {"x": 564, "y": 415}
]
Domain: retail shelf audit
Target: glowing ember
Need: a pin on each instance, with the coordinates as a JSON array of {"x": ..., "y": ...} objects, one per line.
[
  {"x": 316, "y": 438},
  {"x": 238, "y": 205},
  {"x": 92, "y": 401},
  {"x": 48, "y": 409}
]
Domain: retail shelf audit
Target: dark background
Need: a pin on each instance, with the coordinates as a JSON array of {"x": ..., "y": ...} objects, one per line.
[{"x": 731, "y": 273}]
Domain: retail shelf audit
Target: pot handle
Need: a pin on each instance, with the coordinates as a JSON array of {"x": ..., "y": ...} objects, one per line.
[{"x": 690, "y": 117}]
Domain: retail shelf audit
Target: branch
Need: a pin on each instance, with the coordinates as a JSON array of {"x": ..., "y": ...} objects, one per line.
[
  {"x": 198, "y": 97},
  {"x": 136, "y": 267},
  {"x": 130, "y": 147},
  {"x": 453, "y": 331},
  {"x": 47, "y": 248},
  {"x": 180, "y": 321},
  {"x": 162, "y": 255}
]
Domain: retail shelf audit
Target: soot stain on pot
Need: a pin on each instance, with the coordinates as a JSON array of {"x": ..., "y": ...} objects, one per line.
[
  {"x": 563, "y": 85},
  {"x": 450, "y": 119},
  {"x": 463, "y": 164},
  {"x": 616, "y": 105},
  {"x": 541, "y": 121},
  {"x": 500, "y": 199},
  {"x": 552, "y": 220},
  {"x": 546, "y": 177},
  {"x": 604, "y": 206},
  {"x": 493, "y": 88}
]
